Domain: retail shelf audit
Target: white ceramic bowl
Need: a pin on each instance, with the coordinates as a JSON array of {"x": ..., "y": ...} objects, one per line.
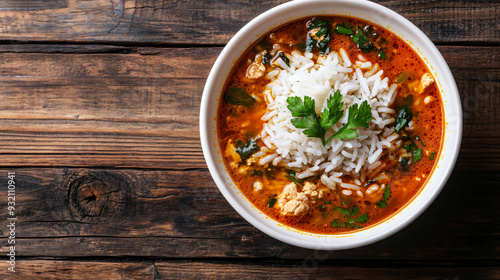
[{"x": 300, "y": 9}]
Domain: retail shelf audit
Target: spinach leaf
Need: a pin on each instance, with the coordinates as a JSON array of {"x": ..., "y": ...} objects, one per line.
[
  {"x": 291, "y": 176},
  {"x": 246, "y": 150},
  {"x": 404, "y": 117},
  {"x": 238, "y": 96}
]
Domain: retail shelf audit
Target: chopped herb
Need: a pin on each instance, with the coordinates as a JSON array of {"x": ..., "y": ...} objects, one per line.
[
  {"x": 401, "y": 77},
  {"x": 315, "y": 23},
  {"x": 291, "y": 176},
  {"x": 417, "y": 155},
  {"x": 383, "y": 202},
  {"x": 369, "y": 183},
  {"x": 362, "y": 41},
  {"x": 271, "y": 202},
  {"x": 285, "y": 59},
  {"x": 238, "y": 96},
  {"x": 350, "y": 222},
  {"x": 343, "y": 211},
  {"x": 257, "y": 172},
  {"x": 404, "y": 117},
  {"x": 301, "y": 47},
  {"x": 432, "y": 156},
  {"x": 320, "y": 38},
  {"x": 344, "y": 29},
  {"x": 246, "y": 150},
  {"x": 421, "y": 142},
  {"x": 328, "y": 202},
  {"x": 382, "y": 54},
  {"x": 266, "y": 58},
  {"x": 410, "y": 147},
  {"x": 337, "y": 224},
  {"x": 404, "y": 161}
]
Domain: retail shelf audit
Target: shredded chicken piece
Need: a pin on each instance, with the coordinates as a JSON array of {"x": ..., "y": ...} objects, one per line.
[
  {"x": 426, "y": 80},
  {"x": 312, "y": 190},
  {"x": 257, "y": 186},
  {"x": 257, "y": 68},
  {"x": 292, "y": 202}
]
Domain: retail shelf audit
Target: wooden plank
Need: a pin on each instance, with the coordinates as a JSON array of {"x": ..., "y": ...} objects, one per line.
[
  {"x": 315, "y": 269},
  {"x": 55, "y": 269},
  {"x": 212, "y": 22},
  {"x": 181, "y": 214},
  {"x": 97, "y": 109}
]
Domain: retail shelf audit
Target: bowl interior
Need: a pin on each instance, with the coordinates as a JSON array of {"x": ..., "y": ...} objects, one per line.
[{"x": 300, "y": 9}]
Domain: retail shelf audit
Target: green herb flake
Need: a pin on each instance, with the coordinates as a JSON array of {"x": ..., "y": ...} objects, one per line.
[
  {"x": 344, "y": 29},
  {"x": 403, "y": 118},
  {"x": 417, "y": 155},
  {"x": 238, "y": 96},
  {"x": 382, "y": 54},
  {"x": 246, "y": 150},
  {"x": 266, "y": 58},
  {"x": 383, "y": 202},
  {"x": 257, "y": 172},
  {"x": 284, "y": 58},
  {"x": 421, "y": 142},
  {"x": 320, "y": 38},
  {"x": 432, "y": 156},
  {"x": 352, "y": 221},
  {"x": 271, "y": 202},
  {"x": 291, "y": 176},
  {"x": 401, "y": 77},
  {"x": 328, "y": 202}
]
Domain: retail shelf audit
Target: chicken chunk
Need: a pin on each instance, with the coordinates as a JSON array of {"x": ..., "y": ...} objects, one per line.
[
  {"x": 312, "y": 190},
  {"x": 292, "y": 202},
  {"x": 426, "y": 80},
  {"x": 257, "y": 68}
]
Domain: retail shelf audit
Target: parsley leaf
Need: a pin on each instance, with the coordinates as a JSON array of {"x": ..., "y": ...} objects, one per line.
[
  {"x": 432, "y": 156},
  {"x": 271, "y": 202},
  {"x": 357, "y": 118},
  {"x": 383, "y": 202},
  {"x": 306, "y": 117},
  {"x": 417, "y": 155}
]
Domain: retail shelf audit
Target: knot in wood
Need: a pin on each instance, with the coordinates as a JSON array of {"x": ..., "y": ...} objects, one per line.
[{"x": 99, "y": 196}]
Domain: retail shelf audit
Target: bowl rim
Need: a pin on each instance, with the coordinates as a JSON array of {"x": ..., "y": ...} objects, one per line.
[{"x": 447, "y": 156}]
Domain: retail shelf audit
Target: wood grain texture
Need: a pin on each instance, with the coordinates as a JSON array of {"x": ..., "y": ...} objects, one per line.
[
  {"x": 139, "y": 108},
  {"x": 52, "y": 269},
  {"x": 70, "y": 213},
  {"x": 315, "y": 269},
  {"x": 213, "y": 22}
]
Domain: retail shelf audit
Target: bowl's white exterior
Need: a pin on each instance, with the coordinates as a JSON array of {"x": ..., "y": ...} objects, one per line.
[{"x": 361, "y": 9}]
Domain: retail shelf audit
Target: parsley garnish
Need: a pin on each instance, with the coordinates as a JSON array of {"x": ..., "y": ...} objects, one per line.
[
  {"x": 350, "y": 222},
  {"x": 306, "y": 117},
  {"x": 344, "y": 29},
  {"x": 383, "y": 202},
  {"x": 432, "y": 156},
  {"x": 417, "y": 155}
]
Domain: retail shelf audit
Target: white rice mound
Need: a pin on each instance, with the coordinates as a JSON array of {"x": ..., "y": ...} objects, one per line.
[{"x": 288, "y": 146}]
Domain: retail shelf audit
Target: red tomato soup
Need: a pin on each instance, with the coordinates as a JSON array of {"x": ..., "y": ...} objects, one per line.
[{"x": 330, "y": 124}]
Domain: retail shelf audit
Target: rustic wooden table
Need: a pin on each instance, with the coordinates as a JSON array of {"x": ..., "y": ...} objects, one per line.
[{"x": 99, "y": 122}]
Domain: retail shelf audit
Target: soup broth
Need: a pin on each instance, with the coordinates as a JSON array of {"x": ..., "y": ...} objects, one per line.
[{"x": 361, "y": 199}]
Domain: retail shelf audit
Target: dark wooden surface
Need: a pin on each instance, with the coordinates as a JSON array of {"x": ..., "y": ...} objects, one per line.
[{"x": 99, "y": 120}]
